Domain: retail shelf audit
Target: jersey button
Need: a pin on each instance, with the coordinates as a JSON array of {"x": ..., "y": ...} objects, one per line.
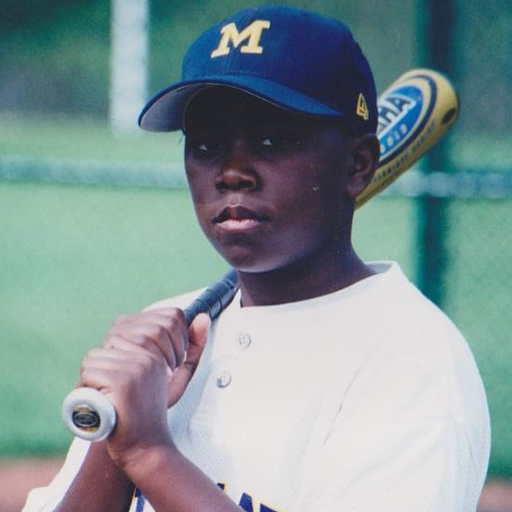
[
  {"x": 244, "y": 340},
  {"x": 224, "y": 380}
]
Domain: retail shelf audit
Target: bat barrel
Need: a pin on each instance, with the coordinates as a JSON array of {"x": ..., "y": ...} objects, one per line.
[{"x": 414, "y": 113}]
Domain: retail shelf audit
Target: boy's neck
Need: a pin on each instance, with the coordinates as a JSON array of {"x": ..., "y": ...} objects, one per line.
[{"x": 302, "y": 281}]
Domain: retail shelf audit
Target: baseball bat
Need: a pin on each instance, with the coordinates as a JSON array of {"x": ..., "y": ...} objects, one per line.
[{"x": 414, "y": 113}]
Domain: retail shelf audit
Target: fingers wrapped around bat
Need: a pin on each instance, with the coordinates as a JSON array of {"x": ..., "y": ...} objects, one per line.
[
  {"x": 134, "y": 379},
  {"x": 163, "y": 329},
  {"x": 123, "y": 362}
]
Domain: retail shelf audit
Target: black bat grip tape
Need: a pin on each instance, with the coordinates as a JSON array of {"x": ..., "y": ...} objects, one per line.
[{"x": 214, "y": 299}]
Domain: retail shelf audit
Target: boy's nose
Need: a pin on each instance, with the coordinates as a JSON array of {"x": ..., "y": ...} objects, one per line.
[{"x": 238, "y": 171}]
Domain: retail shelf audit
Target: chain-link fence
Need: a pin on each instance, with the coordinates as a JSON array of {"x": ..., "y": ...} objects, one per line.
[{"x": 472, "y": 233}]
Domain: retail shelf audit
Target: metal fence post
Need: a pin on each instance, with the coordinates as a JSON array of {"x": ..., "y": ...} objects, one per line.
[
  {"x": 128, "y": 62},
  {"x": 433, "y": 259}
]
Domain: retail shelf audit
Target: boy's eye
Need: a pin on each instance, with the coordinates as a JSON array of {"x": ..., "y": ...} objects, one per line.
[{"x": 206, "y": 145}]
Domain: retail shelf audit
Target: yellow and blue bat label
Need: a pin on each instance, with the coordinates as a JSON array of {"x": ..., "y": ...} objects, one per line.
[{"x": 414, "y": 113}]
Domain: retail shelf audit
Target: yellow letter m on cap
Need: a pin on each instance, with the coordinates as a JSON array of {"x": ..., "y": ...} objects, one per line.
[{"x": 230, "y": 34}]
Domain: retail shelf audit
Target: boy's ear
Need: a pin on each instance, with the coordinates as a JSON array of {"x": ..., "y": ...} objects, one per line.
[{"x": 365, "y": 151}]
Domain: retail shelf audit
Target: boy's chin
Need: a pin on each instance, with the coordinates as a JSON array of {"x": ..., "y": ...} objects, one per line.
[{"x": 246, "y": 260}]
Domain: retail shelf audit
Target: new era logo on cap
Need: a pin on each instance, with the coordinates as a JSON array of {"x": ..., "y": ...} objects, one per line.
[
  {"x": 362, "y": 107},
  {"x": 293, "y": 58}
]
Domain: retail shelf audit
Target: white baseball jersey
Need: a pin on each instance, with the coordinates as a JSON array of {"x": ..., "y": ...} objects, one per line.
[{"x": 366, "y": 399}]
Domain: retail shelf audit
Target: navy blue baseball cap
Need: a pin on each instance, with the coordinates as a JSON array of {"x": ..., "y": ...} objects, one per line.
[{"x": 295, "y": 59}]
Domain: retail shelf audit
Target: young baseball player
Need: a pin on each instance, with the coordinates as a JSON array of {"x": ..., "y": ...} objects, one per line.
[{"x": 328, "y": 384}]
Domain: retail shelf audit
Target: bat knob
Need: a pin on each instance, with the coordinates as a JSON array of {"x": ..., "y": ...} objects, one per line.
[{"x": 89, "y": 414}]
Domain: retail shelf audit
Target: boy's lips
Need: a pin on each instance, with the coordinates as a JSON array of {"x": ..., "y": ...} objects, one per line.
[{"x": 239, "y": 218}]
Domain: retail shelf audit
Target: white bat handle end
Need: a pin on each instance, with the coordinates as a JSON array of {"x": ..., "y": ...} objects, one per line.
[{"x": 89, "y": 414}]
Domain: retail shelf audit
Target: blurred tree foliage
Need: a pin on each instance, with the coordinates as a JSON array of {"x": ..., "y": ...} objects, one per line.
[
  {"x": 54, "y": 56},
  {"x": 15, "y": 14},
  {"x": 484, "y": 67}
]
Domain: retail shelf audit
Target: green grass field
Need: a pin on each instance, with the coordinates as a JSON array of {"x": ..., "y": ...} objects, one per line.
[
  {"x": 73, "y": 257},
  {"x": 84, "y": 139}
]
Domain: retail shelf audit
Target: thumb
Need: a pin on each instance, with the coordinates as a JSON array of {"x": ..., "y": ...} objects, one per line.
[{"x": 197, "y": 336}]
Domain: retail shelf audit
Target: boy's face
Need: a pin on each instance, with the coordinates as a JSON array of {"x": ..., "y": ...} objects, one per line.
[{"x": 268, "y": 185}]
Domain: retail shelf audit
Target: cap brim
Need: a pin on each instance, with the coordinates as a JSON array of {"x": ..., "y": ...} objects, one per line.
[{"x": 164, "y": 112}]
